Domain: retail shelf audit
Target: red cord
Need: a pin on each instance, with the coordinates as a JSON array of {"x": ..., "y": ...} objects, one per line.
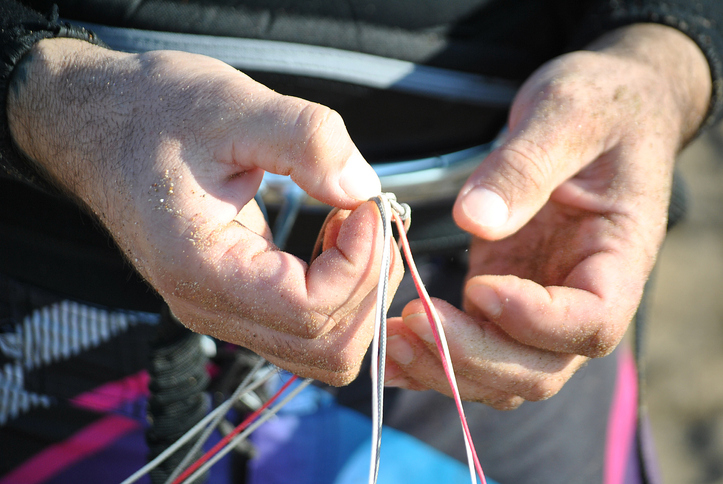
[
  {"x": 427, "y": 303},
  {"x": 239, "y": 428}
]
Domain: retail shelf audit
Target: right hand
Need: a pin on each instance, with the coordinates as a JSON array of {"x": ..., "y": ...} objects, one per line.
[{"x": 168, "y": 150}]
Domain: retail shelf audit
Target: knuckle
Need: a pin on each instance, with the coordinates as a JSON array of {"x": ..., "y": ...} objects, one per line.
[
  {"x": 316, "y": 129},
  {"x": 561, "y": 93},
  {"x": 510, "y": 404},
  {"x": 563, "y": 96},
  {"x": 542, "y": 389},
  {"x": 344, "y": 378},
  {"x": 343, "y": 365},
  {"x": 315, "y": 326},
  {"x": 528, "y": 164},
  {"x": 466, "y": 364},
  {"x": 504, "y": 402},
  {"x": 600, "y": 343}
]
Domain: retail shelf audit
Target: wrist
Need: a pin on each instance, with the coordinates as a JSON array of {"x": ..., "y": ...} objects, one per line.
[
  {"x": 677, "y": 63},
  {"x": 64, "y": 114}
]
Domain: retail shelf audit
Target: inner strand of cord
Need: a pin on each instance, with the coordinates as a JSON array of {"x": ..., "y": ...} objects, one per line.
[{"x": 379, "y": 341}]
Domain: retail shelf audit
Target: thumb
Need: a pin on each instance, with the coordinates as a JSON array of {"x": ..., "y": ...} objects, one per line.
[{"x": 517, "y": 179}]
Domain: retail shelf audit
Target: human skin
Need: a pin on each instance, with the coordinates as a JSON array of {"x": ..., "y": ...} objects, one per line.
[
  {"x": 567, "y": 216},
  {"x": 168, "y": 149}
]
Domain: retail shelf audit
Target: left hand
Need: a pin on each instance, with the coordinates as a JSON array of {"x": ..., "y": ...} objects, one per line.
[{"x": 568, "y": 217}]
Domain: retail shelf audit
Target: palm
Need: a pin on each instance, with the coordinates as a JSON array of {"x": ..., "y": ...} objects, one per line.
[{"x": 546, "y": 250}]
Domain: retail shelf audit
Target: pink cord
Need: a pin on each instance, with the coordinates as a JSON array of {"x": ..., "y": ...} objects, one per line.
[
  {"x": 431, "y": 316},
  {"x": 428, "y": 308}
]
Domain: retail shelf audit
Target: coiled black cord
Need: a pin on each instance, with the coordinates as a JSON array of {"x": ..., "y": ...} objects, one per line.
[{"x": 177, "y": 399}]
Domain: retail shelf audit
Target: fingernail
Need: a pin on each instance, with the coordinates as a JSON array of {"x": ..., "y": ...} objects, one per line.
[
  {"x": 486, "y": 299},
  {"x": 358, "y": 179},
  {"x": 397, "y": 382},
  {"x": 485, "y": 207},
  {"x": 420, "y": 325},
  {"x": 400, "y": 350}
]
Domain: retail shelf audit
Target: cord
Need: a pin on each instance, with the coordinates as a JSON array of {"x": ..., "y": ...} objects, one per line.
[
  {"x": 220, "y": 410},
  {"x": 231, "y": 440},
  {"x": 441, "y": 342},
  {"x": 389, "y": 210},
  {"x": 379, "y": 342}
]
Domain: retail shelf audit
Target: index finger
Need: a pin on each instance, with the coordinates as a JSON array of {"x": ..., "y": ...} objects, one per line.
[
  {"x": 308, "y": 142},
  {"x": 588, "y": 315},
  {"x": 490, "y": 366},
  {"x": 255, "y": 280},
  {"x": 314, "y": 320}
]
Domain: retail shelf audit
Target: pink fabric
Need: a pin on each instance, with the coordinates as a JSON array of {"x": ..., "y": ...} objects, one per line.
[
  {"x": 93, "y": 438},
  {"x": 60, "y": 456},
  {"x": 622, "y": 423},
  {"x": 113, "y": 395}
]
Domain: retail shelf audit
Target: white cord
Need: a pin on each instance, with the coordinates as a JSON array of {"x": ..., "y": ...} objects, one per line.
[
  {"x": 379, "y": 342},
  {"x": 243, "y": 435},
  {"x": 220, "y": 410},
  {"x": 386, "y": 203},
  {"x": 225, "y": 407}
]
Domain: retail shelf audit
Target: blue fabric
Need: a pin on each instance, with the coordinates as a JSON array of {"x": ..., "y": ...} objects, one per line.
[
  {"x": 314, "y": 440},
  {"x": 405, "y": 459},
  {"x": 308, "y": 442}
]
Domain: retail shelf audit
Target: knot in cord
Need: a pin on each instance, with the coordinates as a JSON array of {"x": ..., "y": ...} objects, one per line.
[{"x": 403, "y": 210}]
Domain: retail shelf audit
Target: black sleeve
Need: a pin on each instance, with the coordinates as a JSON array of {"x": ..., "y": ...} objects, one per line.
[
  {"x": 20, "y": 29},
  {"x": 701, "y": 20}
]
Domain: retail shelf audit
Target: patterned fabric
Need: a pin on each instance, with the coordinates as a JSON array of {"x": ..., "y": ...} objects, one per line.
[
  {"x": 72, "y": 380},
  {"x": 52, "y": 334}
]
